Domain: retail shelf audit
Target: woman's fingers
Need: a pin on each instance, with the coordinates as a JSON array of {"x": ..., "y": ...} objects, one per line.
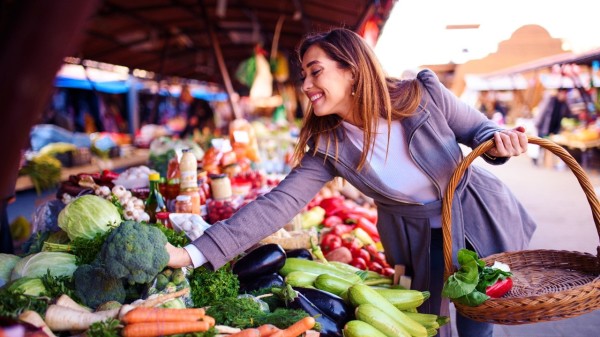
[{"x": 509, "y": 143}]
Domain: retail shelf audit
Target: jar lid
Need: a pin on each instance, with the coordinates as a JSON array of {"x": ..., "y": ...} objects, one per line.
[
  {"x": 182, "y": 197},
  {"x": 217, "y": 175},
  {"x": 162, "y": 215}
]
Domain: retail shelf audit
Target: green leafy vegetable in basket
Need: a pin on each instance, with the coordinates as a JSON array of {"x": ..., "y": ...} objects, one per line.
[{"x": 474, "y": 282}]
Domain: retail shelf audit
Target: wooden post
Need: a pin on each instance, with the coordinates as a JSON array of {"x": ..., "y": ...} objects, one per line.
[{"x": 222, "y": 67}]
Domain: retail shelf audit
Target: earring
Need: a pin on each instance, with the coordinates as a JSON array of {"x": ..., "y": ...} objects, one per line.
[{"x": 353, "y": 92}]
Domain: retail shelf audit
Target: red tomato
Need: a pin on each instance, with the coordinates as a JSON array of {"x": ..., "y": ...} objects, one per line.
[
  {"x": 376, "y": 267},
  {"x": 364, "y": 254},
  {"x": 330, "y": 242},
  {"x": 354, "y": 244},
  {"x": 388, "y": 271},
  {"x": 359, "y": 263}
]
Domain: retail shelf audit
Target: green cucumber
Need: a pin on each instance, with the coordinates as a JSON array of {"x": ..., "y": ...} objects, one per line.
[
  {"x": 300, "y": 279},
  {"x": 296, "y": 264},
  {"x": 380, "y": 320},
  {"x": 404, "y": 299},
  {"x": 360, "y": 294},
  {"x": 356, "y": 328}
]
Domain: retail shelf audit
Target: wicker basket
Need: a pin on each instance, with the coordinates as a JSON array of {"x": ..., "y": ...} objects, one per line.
[{"x": 548, "y": 284}]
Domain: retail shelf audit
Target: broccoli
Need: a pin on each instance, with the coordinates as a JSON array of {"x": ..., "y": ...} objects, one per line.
[
  {"x": 135, "y": 252},
  {"x": 95, "y": 287}
]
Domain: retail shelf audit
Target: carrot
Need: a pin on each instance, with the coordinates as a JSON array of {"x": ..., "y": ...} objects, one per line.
[
  {"x": 143, "y": 314},
  {"x": 156, "y": 329},
  {"x": 209, "y": 319},
  {"x": 251, "y": 332},
  {"x": 297, "y": 328},
  {"x": 267, "y": 330}
]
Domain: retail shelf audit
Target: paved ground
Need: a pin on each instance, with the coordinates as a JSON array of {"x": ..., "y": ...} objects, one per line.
[{"x": 556, "y": 201}]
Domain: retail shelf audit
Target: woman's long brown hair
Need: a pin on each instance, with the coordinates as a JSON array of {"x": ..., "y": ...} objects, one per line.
[{"x": 376, "y": 94}]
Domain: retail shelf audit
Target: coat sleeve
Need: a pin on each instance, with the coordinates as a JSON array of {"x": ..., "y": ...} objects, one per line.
[
  {"x": 470, "y": 126},
  {"x": 226, "y": 239}
]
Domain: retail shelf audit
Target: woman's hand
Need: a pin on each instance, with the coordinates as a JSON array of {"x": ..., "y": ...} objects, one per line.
[
  {"x": 509, "y": 143},
  {"x": 178, "y": 257}
]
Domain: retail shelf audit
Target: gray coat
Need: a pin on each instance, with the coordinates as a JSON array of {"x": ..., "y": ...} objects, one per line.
[{"x": 484, "y": 211}]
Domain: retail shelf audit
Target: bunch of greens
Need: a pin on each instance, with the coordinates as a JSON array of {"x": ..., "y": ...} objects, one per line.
[
  {"x": 246, "y": 312},
  {"x": 208, "y": 287},
  {"x": 14, "y": 302},
  {"x": 468, "y": 285},
  {"x": 109, "y": 328},
  {"x": 177, "y": 239},
  {"x": 44, "y": 171},
  {"x": 58, "y": 285}
]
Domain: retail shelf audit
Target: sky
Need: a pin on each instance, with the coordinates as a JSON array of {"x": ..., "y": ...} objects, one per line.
[{"x": 415, "y": 33}]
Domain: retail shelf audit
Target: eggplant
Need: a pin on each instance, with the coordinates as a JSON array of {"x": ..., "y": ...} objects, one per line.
[
  {"x": 265, "y": 281},
  {"x": 301, "y": 253},
  {"x": 330, "y": 304},
  {"x": 295, "y": 300},
  {"x": 264, "y": 260}
]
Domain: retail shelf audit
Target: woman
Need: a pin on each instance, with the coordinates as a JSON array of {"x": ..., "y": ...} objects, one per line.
[{"x": 398, "y": 143}]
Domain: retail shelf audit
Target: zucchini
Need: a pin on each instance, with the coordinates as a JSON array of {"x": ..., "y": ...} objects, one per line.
[
  {"x": 332, "y": 284},
  {"x": 360, "y": 294},
  {"x": 380, "y": 320},
  {"x": 297, "y": 264},
  {"x": 428, "y": 320},
  {"x": 370, "y": 275},
  {"x": 301, "y": 279},
  {"x": 356, "y": 328},
  {"x": 404, "y": 299}
]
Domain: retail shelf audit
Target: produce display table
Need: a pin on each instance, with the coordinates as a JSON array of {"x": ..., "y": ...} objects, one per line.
[
  {"x": 582, "y": 145},
  {"x": 137, "y": 157}
]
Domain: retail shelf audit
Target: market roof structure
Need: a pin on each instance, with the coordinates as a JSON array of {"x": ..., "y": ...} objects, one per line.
[{"x": 190, "y": 38}]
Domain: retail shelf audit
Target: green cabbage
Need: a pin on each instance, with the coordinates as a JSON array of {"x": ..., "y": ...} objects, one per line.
[
  {"x": 37, "y": 265},
  {"x": 31, "y": 286},
  {"x": 7, "y": 263},
  {"x": 87, "y": 216}
]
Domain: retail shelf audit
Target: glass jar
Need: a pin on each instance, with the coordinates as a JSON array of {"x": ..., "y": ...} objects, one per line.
[
  {"x": 183, "y": 204},
  {"x": 194, "y": 195},
  {"x": 221, "y": 209},
  {"x": 220, "y": 186}
]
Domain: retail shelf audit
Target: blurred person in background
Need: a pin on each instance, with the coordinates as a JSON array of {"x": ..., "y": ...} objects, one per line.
[{"x": 551, "y": 112}]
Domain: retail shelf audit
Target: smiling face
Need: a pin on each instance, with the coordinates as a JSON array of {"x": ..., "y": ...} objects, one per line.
[{"x": 327, "y": 85}]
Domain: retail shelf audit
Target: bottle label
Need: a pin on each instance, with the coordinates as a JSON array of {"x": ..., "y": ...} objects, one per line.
[{"x": 189, "y": 179}]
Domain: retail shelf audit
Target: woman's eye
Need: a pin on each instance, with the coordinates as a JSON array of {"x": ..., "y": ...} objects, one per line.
[{"x": 316, "y": 72}]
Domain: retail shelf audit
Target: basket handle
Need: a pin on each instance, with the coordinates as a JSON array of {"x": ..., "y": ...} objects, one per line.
[{"x": 558, "y": 150}]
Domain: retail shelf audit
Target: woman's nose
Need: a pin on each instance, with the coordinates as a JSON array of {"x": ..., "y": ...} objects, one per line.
[{"x": 306, "y": 85}]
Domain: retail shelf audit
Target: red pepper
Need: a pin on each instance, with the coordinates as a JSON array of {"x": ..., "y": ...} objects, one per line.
[
  {"x": 332, "y": 205},
  {"x": 332, "y": 220},
  {"x": 342, "y": 229},
  {"x": 499, "y": 288},
  {"x": 368, "y": 227},
  {"x": 109, "y": 175}
]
